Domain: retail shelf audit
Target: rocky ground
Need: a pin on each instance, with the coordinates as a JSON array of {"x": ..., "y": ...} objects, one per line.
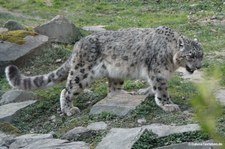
[
  {"x": 126, "y": 121},
  {"x": 123, "y": 138}
]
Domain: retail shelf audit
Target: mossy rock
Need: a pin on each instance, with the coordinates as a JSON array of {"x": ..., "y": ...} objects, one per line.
[
  {"x": 16, "y": 36},
  {"x": 9, "y": 128}
]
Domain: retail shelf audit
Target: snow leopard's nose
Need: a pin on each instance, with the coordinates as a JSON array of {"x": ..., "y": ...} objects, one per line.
[{"x": 198, "y": 67}]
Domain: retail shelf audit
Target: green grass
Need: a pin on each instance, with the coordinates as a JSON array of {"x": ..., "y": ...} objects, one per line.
[
  {"x": 46, "y": 61},
  {"x": 149, "y": 140},
  {"x": 4, "y": 84},
  {"x": 183, "y": 16},
  {"x": 116, "y": 15}
]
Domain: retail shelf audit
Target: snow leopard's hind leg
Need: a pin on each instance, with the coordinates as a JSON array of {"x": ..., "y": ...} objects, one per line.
[
  {"x": 79, "y": 79},
  {"x": 76, "y": 82}
]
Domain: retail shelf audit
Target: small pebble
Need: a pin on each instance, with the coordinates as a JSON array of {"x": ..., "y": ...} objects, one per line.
[
  {"x": 141, "y": 121},
  {"x": 53, "y": 118},
  {"x": 58, "y": 61}
]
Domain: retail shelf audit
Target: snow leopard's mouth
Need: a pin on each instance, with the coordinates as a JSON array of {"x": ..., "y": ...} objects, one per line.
[{"x": 189, "y": 69}]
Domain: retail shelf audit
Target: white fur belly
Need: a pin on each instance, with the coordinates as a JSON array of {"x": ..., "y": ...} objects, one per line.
[{"x": 124, "y": 72}]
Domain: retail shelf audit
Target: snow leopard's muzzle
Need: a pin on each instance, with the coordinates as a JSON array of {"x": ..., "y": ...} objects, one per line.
[{"x": 191, "y": 70}]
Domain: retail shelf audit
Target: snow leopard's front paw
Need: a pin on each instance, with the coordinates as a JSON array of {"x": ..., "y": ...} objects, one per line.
[
  {"x": 70, "y": 111},
  {"x": 170, "y": 107}
]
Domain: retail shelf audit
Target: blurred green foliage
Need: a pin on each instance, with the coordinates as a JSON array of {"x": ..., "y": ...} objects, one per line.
[{"x": 208, "y": 109}]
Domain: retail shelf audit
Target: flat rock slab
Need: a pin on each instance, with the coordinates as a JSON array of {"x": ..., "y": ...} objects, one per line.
[
  {"x": 164, "y": 130},
  {"x": 56, "y": 144},
  {"x": 16, "y": 96},
  {"x": 197, "y": 76},
  {"x": 120, "y": 138},
  {"x": 220, "y": 95},
  {"x": 98, "y": 28},
  {"x": 97, "y": 126},
  {"x": 25, "y": 140},
  {"x": 8, "y": 111},
  {"x": 120, "y": 104},
  {"x": 124, "y": 138}
]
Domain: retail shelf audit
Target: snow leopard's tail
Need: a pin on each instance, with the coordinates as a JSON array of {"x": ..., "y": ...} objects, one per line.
[{"x": 20, "y": 81}]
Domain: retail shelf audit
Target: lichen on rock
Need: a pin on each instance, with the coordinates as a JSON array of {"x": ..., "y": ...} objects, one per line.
[{"x": 16, "y": 36}]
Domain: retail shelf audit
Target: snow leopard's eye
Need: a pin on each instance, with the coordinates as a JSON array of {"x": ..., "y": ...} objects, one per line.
[{"x": 191, "y": 55}]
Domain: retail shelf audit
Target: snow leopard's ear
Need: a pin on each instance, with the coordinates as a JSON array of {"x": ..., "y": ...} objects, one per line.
[
  {"x": 181, "y": 44},
  {"x": 197, "y": 41}
]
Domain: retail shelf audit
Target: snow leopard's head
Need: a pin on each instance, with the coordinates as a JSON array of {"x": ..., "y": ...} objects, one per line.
[{"x": 190, "y": 54}]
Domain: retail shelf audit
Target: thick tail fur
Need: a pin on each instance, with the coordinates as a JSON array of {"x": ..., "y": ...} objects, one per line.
[{"x": 20, "y": 81}]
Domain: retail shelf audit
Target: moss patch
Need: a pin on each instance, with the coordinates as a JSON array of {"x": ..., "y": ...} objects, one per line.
[
  {"x": 149, "y": 140},
  {"x": 9, "y": 128},
  {"x": 92, "y": 137},
  {"x": 16, "y": 36}
]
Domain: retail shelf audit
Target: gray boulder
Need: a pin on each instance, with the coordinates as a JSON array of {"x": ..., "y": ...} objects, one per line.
[
  {"x": 59, "y": 29},
  {"x": 14, "y": 53},
  {"x": 13, "y": 25},
  {"x": 75, "y": 133},
  {"x": 16, "y": 96},
  {"x": 9, "y": 111}
]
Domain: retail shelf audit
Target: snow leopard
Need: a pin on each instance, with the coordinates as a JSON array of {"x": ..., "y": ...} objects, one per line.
[{"x": 150, "y": 54}]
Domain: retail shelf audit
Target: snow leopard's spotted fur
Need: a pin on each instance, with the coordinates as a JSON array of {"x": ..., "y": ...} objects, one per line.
[{"x": 151, "y": 54}]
